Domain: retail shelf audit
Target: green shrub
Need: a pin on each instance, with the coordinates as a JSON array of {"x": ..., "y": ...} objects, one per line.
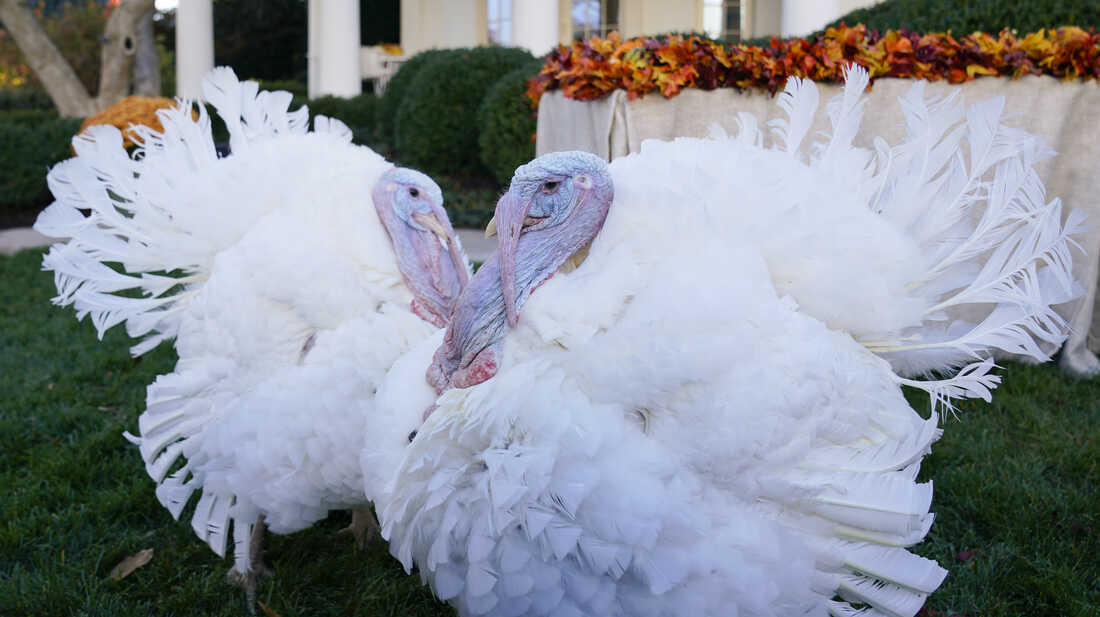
[
  {"x": 24, "y": 98},
  {"x": 703, "y": 36},
  {"x": 386, "y": 113},
  {"x": 469, "y": 205},
  {"x": 507, "y": 124},
  {"x": 27, "y": 150},
  {"x": 296, "y": 88},
  {"x": 75, "y": 28},
  {"x": 358, "y": 113},
  {"x": 990, "y": 16},
  {"x": 437, "y": 128},
  {"x": 28, "y": 117}
]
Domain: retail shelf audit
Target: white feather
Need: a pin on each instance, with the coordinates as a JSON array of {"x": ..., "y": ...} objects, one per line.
[
  {"x": 799, "y": 100},
  {"x": 272, "y": 272},
  {"x": 695, "y": 421}
]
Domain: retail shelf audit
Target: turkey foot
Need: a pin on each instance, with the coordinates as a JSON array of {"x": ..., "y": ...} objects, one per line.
[
  {"x": 363, "y": 527},
  {"x": 250, "y": 580}
]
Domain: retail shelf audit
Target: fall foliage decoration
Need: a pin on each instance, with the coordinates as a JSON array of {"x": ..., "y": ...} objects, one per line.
[
  {"x": 131, "y": 111},
  {"x": 591, "y": 69}
]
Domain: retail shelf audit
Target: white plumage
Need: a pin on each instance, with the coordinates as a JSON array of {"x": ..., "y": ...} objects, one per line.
[
  {"x": 705, "y": 417},
  {"x": 279, "y": 282}
]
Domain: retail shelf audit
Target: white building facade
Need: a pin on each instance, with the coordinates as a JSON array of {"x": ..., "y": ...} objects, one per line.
[{"x": 337, "y": 63}]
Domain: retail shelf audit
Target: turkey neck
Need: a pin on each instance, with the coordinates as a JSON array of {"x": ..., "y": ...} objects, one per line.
[{"x": 480, "y": 322}]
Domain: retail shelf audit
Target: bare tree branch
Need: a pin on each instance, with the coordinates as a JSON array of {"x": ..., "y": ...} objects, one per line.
[
  {"x": 120, "y": 44},
  {"x": 51, "y": 68}
]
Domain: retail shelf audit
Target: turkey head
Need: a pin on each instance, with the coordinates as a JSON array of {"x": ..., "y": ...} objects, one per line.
[
  {"x": 554, "y": 207},
  {"x": 410, "y": 205}
]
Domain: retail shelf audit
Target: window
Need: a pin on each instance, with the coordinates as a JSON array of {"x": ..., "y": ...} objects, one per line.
[
  {"x": 594, "y": 18},
  {"x": 500, "y": 21},
  {"x": 722, "y": 19}
]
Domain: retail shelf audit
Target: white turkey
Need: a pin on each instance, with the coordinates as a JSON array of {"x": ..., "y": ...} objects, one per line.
[
  {"x": 705, "y": 416},
  {"x": 291, "y": 273}
]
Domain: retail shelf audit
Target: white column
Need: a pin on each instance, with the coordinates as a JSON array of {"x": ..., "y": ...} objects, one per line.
[
  {"x": 194, "y": 46},
  {"x": 535, "y": 25},
  {"x": 334, "y": 48},
  {"x": 313, "y": 48}
]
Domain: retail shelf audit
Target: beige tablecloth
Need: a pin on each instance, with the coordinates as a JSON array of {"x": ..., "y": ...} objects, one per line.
[{"x": 1066, "y": 114}]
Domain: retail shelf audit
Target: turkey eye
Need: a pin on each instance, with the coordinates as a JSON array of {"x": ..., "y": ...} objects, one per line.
[
  {"x": 549, "y": 187},
  {"x": 413, "y": 192}
]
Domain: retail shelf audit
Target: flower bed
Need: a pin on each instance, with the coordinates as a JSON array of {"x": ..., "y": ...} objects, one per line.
[{"x": 592, "y": 69}]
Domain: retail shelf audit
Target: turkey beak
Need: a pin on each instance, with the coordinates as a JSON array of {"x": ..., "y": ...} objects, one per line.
[
  {"x": 508, "y": 222},
  {"x": 439, "y": 224},
  {"x": 432, "y": 223},
  {"x": 491, "y": 228}
]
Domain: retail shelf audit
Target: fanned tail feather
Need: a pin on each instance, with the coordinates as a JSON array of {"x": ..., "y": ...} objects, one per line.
[
  {"x": 171, "y": 428},
  {"x": 131, "y": 220},
  {"x": 860, "y": 505},
  {"x": 799, "y": 101},
  {"x": 964, "y": 187}
]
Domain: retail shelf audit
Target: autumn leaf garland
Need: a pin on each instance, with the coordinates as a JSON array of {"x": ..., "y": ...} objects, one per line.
[{"x": 594, "y": 68}]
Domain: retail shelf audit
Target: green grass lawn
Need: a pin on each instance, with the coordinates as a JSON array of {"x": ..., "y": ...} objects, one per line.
[{"x": 1017, "y": 495}]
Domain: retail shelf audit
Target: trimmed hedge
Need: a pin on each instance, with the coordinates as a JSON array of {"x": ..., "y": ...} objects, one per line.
[
  {"x": 28, "y": 117},
  {"x": 437, "y": 122},
  {"x": 961, "y": 18},
  {"x": 25, "y": 99},
  {"x": 390, "y": 102},
  {"x": 468, "y": 204},
  {"x": 507, "y": 124},
  {"x": 294, "y": 87},
  {"x": 358, "y": 113},
  {"x": 30, "y": 143}
]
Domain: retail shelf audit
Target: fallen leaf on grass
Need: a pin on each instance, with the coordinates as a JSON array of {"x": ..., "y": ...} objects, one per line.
[
  {"x": 965, "y": 556},
  {"x": 270, "y": 612},
  {"x": 127, "y": 566}
]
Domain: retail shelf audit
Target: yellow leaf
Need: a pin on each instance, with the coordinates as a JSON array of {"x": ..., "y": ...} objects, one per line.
[{"x": 973, "y": 69}]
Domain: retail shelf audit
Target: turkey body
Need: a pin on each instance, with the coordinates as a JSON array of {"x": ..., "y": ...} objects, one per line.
[
  {"x": 667, "y": 449},
  {"x": 695, "y": 420},
  {"x": 291, "y": 274},
  {"x": 282, "y": 348}
]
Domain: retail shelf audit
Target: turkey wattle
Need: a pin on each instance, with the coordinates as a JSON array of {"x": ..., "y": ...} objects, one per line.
[
  {"x": 705, "y": 417},
  {"x": 291, "y": 273}
]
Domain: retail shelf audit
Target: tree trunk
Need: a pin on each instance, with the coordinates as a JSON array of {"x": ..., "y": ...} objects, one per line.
[
  {"x": 147, "y": 61},
  {"x": 51, "y": 68},
  {"x": 120, "y": 44}
]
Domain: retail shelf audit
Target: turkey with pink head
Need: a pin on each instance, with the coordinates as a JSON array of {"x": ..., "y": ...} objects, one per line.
[
  {"x": 676, "y": 387},
  {"x": 291, "y": 273}
]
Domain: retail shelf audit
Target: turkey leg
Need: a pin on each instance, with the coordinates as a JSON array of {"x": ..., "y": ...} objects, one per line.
[
  {"x": 363, "y": 527},
  {"x": 249, "y": 581}
]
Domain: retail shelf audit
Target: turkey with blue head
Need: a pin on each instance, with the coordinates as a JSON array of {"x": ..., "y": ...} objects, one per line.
[
  {"x": 291, "y": 273},
  {"x": 675, "y": 389}
]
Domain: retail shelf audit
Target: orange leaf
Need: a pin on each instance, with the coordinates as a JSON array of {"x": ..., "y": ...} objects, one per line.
[{"x": 270, "y": 612}]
